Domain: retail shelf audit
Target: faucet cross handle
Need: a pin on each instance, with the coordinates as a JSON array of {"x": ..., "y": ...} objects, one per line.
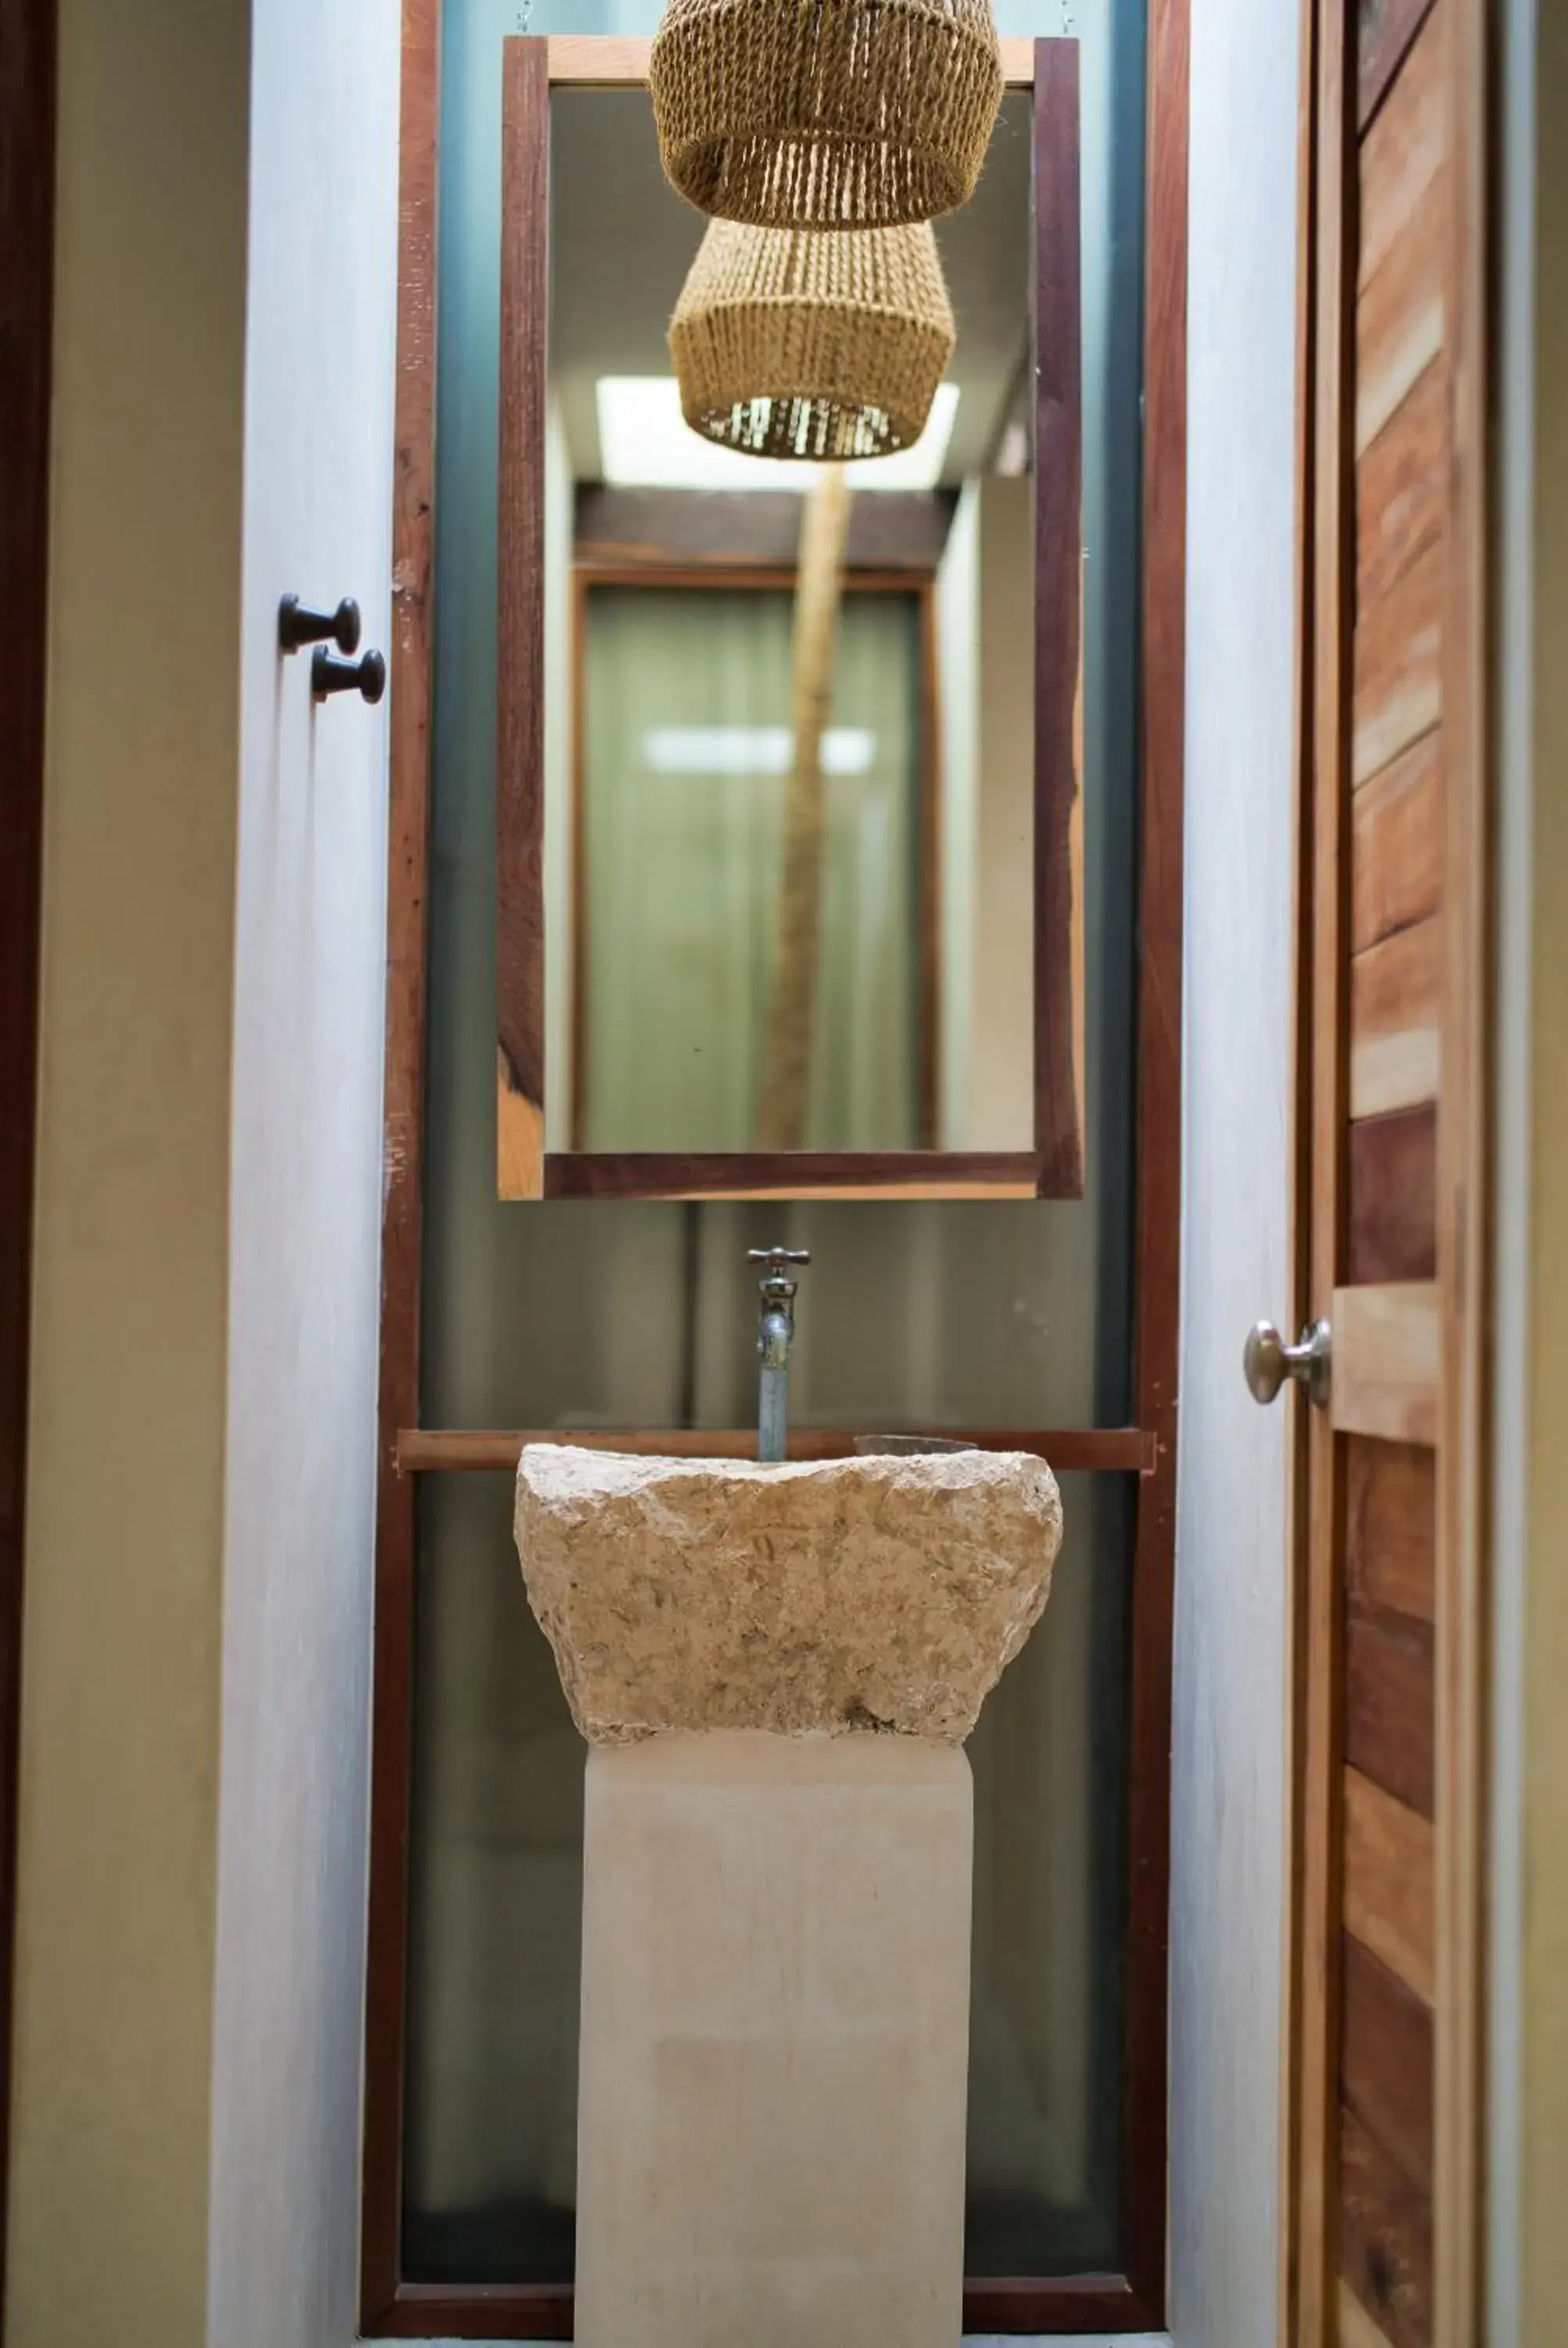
[
  {"x": 777, "y": 1284},
  {"x": 775, "y": 1256}
]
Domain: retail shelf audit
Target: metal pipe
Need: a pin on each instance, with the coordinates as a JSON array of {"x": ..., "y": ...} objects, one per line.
[{"x": 776, "y": 1334}]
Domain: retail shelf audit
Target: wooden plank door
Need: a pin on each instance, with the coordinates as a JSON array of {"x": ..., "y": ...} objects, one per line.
[{"x": 1384, "y": 2106}]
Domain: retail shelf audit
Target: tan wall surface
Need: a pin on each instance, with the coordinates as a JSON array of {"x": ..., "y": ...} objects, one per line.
[{"x": 121, "y": 1656}]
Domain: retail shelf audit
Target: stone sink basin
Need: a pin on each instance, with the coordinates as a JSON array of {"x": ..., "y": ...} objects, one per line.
[{"x": 835, "y": 1597}]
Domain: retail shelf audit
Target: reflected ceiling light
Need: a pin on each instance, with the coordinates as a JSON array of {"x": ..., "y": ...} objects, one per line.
[
  {"x": 751, "y": 750},
  {"x": 826, "y": 113},
  {"x": 644, "y": 444},
  {"x": 815, "y": 348}
]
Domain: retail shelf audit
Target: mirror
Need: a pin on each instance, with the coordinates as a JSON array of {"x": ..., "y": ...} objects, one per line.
[{"x": 788, "y": 813}]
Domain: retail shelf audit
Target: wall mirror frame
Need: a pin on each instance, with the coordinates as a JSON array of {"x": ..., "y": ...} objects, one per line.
[
  {"x": 415, "y": 1455},
  {"x": 530, "y": 1162}
]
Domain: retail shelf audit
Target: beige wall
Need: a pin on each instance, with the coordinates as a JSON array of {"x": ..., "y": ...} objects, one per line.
[
  {"x": 195, "y": 1664},
  {"x": 120, "y": 1738}
]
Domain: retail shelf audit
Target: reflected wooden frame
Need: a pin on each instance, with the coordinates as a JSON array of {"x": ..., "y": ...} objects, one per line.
[
  {"x": 916, "y": 589},
  {"x": 1130, "y": 2297},
  {"x": 526, "y": 1168}
]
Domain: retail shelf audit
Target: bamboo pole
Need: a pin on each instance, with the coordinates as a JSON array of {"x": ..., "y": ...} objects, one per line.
[{"x": 784, "y": 1092}]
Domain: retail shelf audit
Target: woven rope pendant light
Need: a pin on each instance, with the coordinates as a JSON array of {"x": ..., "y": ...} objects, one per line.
[
  {"x": 826, "y": 113},
  {"x": 822, "y": 348}
]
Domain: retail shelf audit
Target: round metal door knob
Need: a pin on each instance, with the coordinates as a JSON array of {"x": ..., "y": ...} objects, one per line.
[{"x": 1267, "y": 1362}]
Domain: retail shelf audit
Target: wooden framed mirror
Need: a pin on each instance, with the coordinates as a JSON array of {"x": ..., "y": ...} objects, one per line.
[{"x": 669, "y": 1025}]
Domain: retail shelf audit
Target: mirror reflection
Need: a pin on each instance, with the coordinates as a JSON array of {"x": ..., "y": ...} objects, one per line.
[{"x": 789, "y": 878}]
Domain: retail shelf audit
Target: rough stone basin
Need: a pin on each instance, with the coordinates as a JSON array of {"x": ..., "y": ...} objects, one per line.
[{"x": 838, "y": 1597}]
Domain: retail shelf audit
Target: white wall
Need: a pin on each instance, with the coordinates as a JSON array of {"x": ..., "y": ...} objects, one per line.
[
  {"x": 1229, "y": 1761},
  {"x": 304, "y": 1190}
]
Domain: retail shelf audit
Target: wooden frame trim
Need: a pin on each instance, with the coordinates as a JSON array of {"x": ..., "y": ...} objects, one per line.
[
  {"x": 931, "y": 784},
  {"x": 917, "y": 588},
  {"x": 1298, "y": 1435},
  {"x": 1317, "y": 1731},
  {"x": 520, "y": 634},
  {"x": 391, "y": 2307},
  {"x": 1465, "y": 1129},
  {"x": 426, "y": 1451},
  {"x": 524, "y": 1172},
  {"x": 595, "y": 61},
  {"x": 902, "y": 530},
  {"x": 408, "y": 853},
  {"x": 1159, "y": 1132},
  {"x": 1411, "y": 1358},
  {"x": 805, "y": 1173},
  {"x": 28, "y": 51},
  {"x": 1059, "y": 600}
]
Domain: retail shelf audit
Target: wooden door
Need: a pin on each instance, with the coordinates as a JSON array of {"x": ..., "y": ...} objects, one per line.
[{"x": 1384, "y": 2122}]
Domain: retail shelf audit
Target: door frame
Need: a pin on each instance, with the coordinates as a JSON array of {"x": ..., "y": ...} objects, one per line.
[
  {"x": 1133, "y": 2299},
  {"x": 28, "y": 48},
  {"x": 1344, "y": 83}
]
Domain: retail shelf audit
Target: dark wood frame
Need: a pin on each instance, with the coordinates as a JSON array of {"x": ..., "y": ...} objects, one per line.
[
  {"x": 915, "y": 587},
  {"x": 1133, "y": 2300},
  {"x": 1052, "y": 1168},
  {"x": 28, "y": 38}
]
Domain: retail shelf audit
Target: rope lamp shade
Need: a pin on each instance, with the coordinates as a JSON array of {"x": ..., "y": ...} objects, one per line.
[
  {"x": 826, "y": 113},
  {"x": 824, "y": 347}
]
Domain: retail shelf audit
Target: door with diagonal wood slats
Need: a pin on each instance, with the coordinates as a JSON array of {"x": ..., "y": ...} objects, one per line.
[{"x": 1384, "y": 2137}]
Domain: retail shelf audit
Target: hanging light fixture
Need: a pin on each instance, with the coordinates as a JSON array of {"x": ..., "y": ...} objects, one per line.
[
  {"x": 826, "y": 113},
  {"x": 822, "y": 348}
]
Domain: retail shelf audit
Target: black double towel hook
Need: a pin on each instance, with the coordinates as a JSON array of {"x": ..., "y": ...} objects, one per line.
[
  {"x": 297, "y": 627},
  {"x": 366, "y": 677}
]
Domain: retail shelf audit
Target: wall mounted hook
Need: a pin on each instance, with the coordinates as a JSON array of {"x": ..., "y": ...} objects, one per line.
[
  {"x": 297, "y": 626},
  {"x": 365, "y": 676}
]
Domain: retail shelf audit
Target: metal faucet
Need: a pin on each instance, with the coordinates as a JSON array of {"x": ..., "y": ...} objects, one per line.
[{"x": 776, "y": 1333}]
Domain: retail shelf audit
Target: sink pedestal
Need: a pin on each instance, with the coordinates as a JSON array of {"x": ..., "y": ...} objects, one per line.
[
  {"x": 774, "y": 2043},
  {"x": 776, "y": 1667}
]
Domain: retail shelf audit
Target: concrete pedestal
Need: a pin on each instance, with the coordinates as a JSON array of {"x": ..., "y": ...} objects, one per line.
[{"x": 774, "y": 2043}]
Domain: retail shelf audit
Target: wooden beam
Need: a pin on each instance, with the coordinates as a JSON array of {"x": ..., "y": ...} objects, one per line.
[
  {"x": 788, "y": 1052},
  {"x": 1110, "y": 1450},
  {"x": 798, "y": 1174},
  {"x": 1158, "y": 1112},
  {"x": 412, "y": 491},
  {"x": 753, "y": 529}
]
